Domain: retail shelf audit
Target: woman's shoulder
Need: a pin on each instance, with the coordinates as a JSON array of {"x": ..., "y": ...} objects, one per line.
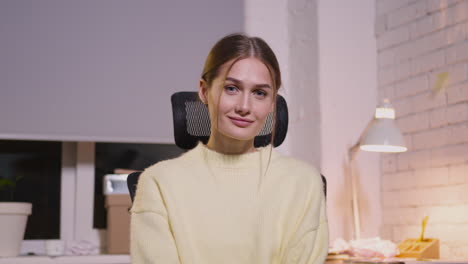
[
  {"x": 290, "y": 162},
  {"x": 167, "y": 166},
  {"x": 296, "y": 168}
]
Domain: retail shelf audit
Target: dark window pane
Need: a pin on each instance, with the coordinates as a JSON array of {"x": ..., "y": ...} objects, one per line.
[
  {"x": 37, "y": 164},
  {"x": 111, "y": 156}
]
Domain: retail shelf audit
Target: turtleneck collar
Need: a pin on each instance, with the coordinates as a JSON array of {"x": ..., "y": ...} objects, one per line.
[{"x": 246, "y": 160}]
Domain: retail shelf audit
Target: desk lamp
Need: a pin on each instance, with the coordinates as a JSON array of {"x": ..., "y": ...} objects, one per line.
[{"x": 380, "y": 135}]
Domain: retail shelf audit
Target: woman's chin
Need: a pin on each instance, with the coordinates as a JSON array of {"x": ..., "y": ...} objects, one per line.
[{"x": 242, "y": 137}]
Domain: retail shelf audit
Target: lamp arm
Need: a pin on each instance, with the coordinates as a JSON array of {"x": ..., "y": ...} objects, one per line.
[
  {"x": 355, "y": 202},
  {"x": 352, "y": 153}
]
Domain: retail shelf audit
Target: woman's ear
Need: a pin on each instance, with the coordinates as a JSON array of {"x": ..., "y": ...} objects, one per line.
[{"x": 203, "y": 91}]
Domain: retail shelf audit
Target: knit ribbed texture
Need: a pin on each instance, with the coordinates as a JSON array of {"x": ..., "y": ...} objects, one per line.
[{"x": 207, "y": 207}]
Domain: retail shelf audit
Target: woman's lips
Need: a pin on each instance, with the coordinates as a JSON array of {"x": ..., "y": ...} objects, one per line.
[{"x": 240, "y": 122}]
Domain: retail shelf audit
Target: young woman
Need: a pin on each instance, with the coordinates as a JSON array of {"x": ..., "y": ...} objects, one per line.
[{"x": 226, "y": 201}]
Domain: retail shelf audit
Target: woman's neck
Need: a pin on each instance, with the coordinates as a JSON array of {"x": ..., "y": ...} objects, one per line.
[{"x": 225, "y": 145}]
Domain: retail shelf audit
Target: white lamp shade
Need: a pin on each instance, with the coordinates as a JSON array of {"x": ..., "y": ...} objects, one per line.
[{"x": 383, "y": 136}]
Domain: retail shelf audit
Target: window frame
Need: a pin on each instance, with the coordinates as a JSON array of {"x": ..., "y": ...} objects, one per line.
[{"x": 77, "y": 200}]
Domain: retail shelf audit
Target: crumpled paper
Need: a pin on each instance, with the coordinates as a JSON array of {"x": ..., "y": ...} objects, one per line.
[
  {"x": 366, "y": 248},
  {"x": 339, "y": 246},
  {"x": 82, "y": 248}
]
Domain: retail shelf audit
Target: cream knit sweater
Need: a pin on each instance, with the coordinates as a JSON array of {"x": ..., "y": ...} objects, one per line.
[{"x": 211, "y": 208}]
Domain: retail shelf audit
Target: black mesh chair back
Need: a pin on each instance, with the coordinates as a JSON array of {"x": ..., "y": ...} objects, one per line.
[
  {"x": 132, "y": 180},
  {"x": 192, "y": 122}
]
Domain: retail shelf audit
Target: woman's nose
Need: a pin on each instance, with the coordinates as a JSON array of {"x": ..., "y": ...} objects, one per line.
[{"x": 243, "y": 105}]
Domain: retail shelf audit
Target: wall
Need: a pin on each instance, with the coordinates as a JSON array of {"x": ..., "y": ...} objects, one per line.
[
  {"x": 422, "y": 62},
  {"x": 347, "y": 61}
]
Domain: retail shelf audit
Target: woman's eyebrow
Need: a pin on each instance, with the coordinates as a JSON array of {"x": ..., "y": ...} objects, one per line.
[{"x": 234, "y": 80}]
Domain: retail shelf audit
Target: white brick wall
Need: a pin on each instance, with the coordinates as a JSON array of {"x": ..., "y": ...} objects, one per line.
[
  {"x": 457, "y": 93},
  {"x": 420, "y": 42}
]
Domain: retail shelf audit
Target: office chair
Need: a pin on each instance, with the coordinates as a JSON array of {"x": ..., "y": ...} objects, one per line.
[{"x": 192, "y": 124}]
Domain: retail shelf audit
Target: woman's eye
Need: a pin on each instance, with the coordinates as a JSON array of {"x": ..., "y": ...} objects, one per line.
[
  {"x": 260, "y": 93},
  {"x": 230, "y": 88}
]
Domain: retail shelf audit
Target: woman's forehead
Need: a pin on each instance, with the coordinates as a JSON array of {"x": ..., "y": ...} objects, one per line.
[{"x": 248, "y": 69}]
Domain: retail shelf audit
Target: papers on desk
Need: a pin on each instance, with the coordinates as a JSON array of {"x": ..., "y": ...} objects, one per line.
[
  {"x": 404, "y": 261},
  {"x": 435, "y": 261},
  {"x": 361, "y": 261}
]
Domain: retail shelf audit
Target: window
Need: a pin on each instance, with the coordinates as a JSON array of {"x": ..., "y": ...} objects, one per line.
[
  {"x": 64, "y": 180},
  {"x": 35, "y": 166}
]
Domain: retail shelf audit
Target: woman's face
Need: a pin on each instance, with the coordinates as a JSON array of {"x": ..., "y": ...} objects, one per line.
[{"x": 245, "y": 101}]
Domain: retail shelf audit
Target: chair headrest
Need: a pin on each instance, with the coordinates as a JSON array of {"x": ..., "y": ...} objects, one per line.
[{"x": 192, "y": 122}]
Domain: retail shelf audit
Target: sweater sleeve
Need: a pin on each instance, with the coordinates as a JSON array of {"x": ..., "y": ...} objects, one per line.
[
  {"x": 309, "y": 244},
  {"x": 151, "y": 237}
]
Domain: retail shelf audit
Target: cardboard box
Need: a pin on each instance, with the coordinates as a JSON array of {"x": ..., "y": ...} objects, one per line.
[{"x": 118, "y": 223}]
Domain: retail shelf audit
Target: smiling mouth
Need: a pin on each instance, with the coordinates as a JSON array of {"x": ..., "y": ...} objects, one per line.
[{"x": 240, "y": 122}]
